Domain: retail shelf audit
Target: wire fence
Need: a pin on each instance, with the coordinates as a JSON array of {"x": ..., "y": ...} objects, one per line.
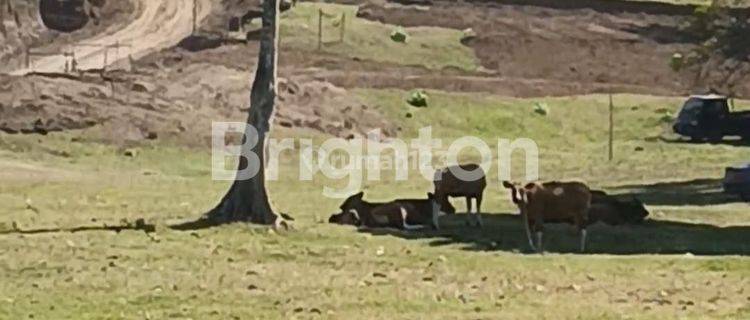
[
  {"x": 338, "y": 21},
  {"x": 112, "y": 56}
]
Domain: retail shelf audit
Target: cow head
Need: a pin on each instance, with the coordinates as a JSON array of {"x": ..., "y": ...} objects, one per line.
[
  {"x": 633, "y": 210},
  {"x": 350, "y": 211},
  {"x": 515, "y": 190},
  {"x": 442, "y": 201},
  {"x": 345, "y": 218}
]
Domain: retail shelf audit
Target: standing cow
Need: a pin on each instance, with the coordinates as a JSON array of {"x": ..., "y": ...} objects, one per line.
[
  {"x": 466, "y": 180},
  {"x": 552, "y": 202}
]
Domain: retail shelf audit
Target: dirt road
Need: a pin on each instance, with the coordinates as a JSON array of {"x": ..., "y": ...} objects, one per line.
[{"x": 160, "y": 24}]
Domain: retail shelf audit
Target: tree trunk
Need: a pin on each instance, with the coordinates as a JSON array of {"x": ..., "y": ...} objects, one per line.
[{"x": 247, "y": 200}]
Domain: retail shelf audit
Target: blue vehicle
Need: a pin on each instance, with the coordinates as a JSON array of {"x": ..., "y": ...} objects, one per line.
[{"x": 708, "y": 118}]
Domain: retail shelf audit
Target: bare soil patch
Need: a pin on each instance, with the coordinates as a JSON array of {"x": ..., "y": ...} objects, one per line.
[
  {"x": 578, "y": 45},
  {"x": 170, "y": 95}
]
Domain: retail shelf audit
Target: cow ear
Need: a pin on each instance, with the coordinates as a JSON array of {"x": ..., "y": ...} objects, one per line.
[
  {"x": 359, "y": 196},
  {"x": 430, "y": 195},
  {"x": 507, "y": 184}
]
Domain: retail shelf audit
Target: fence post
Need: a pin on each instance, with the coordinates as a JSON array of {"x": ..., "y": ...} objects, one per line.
[
  {"x": 28, "y": 58},
  {"x": 611, "y": 127},
  {"x": 117, "y": 50},
  {"x": 343, "y": 27},
  {"x": 2, "y": 19},
  {"x": 104, "y": 66},
  {"x": 320, "y": 29},
  {"x": 73, "y": 61},
  {"x": 195, "y": 16}
]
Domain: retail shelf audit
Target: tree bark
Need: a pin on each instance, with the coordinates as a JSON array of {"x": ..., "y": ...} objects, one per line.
[{"x": 247, "y": 199}]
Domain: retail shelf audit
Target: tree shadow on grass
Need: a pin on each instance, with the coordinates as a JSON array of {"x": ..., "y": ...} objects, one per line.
[
  {"x": 698, "y": 192},
  {"x": 505, "y": 232}
]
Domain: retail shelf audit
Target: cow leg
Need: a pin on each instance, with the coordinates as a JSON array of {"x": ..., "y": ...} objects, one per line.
[
  {"x": 581, "y": 224},
  {"x": 469, "y": 216},
  {"x": 540, "y": 244},
  {"x": 583, "y": 239},
  {"x": 435, "y": 221},
  {"x": 407, "y": 226},
  {"x": 436, "y": 213},
  {"x": 539, "y": 228},
  {"x": 527, "y": 228},
  {"x": 478, "y": 199}
]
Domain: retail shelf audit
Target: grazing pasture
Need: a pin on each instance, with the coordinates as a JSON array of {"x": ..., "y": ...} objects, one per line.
[{"x": 689, "y": 259}]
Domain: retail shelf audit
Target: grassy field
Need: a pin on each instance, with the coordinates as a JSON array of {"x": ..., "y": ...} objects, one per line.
[
  {"x": 688, "y": 261},
  {"x": 431, "y": 47}
]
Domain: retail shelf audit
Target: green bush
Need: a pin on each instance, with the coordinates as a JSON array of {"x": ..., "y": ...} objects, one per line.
[
  {"x": 417, "y": 98},
  {"x": 541, "y": 108},
  {"x": 399, "y": 35}
]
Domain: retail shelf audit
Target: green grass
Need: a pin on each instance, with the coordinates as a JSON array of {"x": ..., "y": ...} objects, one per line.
[
  {"x": 431, "y": 47},
  {"x": 325, "y": 271}
]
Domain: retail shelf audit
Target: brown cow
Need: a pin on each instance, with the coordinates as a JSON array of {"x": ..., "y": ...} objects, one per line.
[
  {"x": 407, "y": 214},
  {"x": 447, "y": 184},
  {"x": 552, "y": 202}
]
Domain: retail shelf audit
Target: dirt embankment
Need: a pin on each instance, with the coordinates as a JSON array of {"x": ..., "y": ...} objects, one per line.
[
  {"x": 582, "y": 46},
  {"x": 531, "y": 50},
  {"x": 21, "y": 28},
  {"x": 175, "y": 95},
  {"x": 573, "y": 47}
]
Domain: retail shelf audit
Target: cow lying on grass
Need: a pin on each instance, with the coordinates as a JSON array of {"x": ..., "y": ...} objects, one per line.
[
  {"x": 447, "y": 184},
  {"x": 551, "y": 202},
  {"x": 614, "y": 211},
  {"x": 406, "y": 214}
]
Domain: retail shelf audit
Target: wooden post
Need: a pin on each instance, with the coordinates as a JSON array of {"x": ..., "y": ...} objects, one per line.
[
  {"x": 611, "y": 127},
  {"x": 104, "y": 66},
  {"x": 28, "y": 58},
  {"x": 73, "y": 62},
  {"x": 117, "y": 50},
  {"x": 2, "y": 20},
  {"x": 343, "y": 27},
  {"x": 320, "y": 29},
  {"x": 195, "y": 16}
]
